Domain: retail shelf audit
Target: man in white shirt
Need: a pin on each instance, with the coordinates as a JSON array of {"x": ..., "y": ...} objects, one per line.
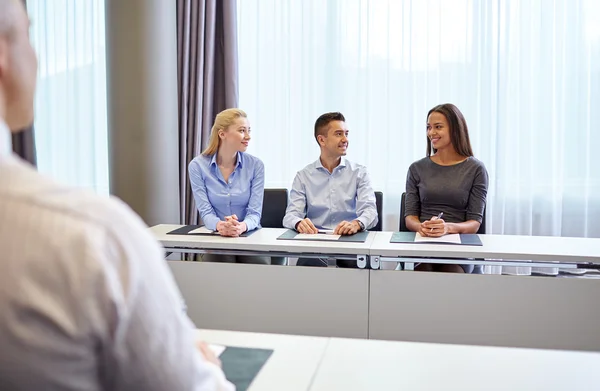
[
  {"x": 333, "y": 193},
  {"x": 86, "y": 300}
]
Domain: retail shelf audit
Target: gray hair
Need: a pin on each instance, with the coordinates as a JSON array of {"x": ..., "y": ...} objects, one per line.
[{"x": 7, "y": 16}]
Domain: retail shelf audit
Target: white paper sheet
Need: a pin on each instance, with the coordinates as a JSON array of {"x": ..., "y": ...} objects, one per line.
[
  {"x": 451, "y": 238},
  {"x": 326, "y": 231},
  {"x": 217, "y": 349},
  {"x": 317, "y": 237},
  {"x": 201, "y": 230}
]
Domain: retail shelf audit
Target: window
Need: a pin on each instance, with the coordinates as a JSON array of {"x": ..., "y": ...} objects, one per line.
[
  {"x": 525, "y": 75},
  {"x": 70, "y": 106}
]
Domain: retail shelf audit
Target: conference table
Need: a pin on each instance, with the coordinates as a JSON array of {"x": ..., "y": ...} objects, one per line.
[
  {"x": 330, "y": 364},
  {"x": 497, "y": 250},
  {"x": 262, "y": 242},
  {"x": 378, "y": 303}
]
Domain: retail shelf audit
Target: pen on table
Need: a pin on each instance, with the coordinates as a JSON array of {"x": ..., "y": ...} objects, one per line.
[{"x": 437, "y": 218}]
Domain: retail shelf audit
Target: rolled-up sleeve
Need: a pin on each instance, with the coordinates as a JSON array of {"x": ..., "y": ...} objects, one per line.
[
  {"x": 366, "y": 207},
  {"x": 207, "y": 213},
  {"x": 257, "y": 192},
  {"x": 296, "y": 209}
]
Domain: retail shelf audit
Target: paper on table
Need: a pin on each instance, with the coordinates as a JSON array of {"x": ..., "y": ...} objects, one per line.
[
  {"x": 201, "y": 230},
  {"x": 450, "y": 238},
  {"x": 317, "y": 237},
  {"x": 326, "y": 231},
  {"x": 217, "y": 349}
]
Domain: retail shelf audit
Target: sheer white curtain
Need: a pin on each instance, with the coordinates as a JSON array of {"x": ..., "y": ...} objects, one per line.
[
  {"x": 526, "y": 74},
  {"x": 70, "y": 105}
]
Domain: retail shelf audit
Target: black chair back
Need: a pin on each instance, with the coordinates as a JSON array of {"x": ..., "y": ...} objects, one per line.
[
  {"x": 274, "y": 206},
  {"x": 402, "y": 227},
  {"x": 481, "y": 229},
  {"x": 379, "y": 204}
]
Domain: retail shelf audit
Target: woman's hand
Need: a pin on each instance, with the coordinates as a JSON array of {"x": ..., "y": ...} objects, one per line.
[
  {"x": 434, "y": 227},
  {"x": 231, "y": 227}
]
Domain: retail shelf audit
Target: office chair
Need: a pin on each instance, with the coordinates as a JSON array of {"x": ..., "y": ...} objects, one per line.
[
  {"x": 274, "y": 206},
  {"x": 379, "y": 204}
]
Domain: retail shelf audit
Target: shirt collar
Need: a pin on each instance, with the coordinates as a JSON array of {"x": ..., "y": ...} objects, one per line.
[
  {"x": 239, "y": 160},
  {"x": 5, "y": 139},
  {"x": 318, "y": 164}
]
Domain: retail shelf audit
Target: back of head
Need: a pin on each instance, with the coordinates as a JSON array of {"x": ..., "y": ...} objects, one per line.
[
  {"x": 223, "y": 120},
  {"x": 322, "y": 123},
  {"x": 18, "y": 66},
  {"x": 459, "y": 132},
  {"x": 7, "y": 16}
]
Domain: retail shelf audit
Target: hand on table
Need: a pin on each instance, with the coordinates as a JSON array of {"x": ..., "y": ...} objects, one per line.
[
  {"x": 347, "y": 228},
  {"x": 207, "y": 353},
  {"x": 434, "y": 227},
  {"x": 306, "y": 226},
  {"x": 231, "y": 226}
]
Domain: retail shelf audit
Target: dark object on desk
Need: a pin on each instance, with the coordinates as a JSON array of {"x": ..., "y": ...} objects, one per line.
[
  {"x": 185, "y": 230},
  {"x": 409, "y": 237},
  {"x": 241, "y": 365},
  {"x": 358, "y": 237}
]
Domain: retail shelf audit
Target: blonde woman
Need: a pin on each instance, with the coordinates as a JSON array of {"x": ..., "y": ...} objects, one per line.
[{"x": 228, "y": 183}]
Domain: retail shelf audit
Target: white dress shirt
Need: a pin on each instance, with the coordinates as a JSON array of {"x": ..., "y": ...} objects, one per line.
[
  {"x": 328, "y": 198},
  {"x": 87, "y": 301}
]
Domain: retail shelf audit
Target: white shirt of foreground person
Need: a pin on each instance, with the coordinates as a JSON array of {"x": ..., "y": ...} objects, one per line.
[{"x": 87, "y": 301}]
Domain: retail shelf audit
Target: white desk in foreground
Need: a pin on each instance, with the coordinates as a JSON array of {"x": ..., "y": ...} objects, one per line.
[
  {"x": 357, "y": 365},
  {"x": 331, "y": 364},
  {"x": 292, "y": 365}
]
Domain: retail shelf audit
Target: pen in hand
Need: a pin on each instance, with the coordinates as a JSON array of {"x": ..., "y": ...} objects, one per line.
[{"x": 437, "y": 218}]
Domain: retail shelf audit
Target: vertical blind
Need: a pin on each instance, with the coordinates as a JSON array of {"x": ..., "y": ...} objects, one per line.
[{"x": 70, "y": 105}]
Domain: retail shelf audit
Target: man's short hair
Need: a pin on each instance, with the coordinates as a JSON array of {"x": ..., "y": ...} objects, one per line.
[{"x": 324, "y": 120}]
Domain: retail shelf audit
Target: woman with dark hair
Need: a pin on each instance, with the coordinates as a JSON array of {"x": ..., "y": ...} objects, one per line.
[{"x": 448, "y": 181}]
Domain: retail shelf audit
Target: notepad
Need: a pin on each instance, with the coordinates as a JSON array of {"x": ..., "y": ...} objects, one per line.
[
  {"x": 319, "y": 236},
  {"x": 241, "y": 365},
  {"x": 201, "y": 230},
  {"x": 358, "y": 237},
  {"x": 450, "y": 238}
]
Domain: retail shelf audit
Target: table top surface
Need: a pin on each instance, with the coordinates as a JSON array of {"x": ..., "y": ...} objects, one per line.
[
  {"x": 537, "y": 248},
  {"x": 292, "y": 365},
  {"x": 264, "y": 239},
  {"x": 354, "y": 364},
  {"x": 329, "y": 364},
  {"x": 509, "y": 247}
]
